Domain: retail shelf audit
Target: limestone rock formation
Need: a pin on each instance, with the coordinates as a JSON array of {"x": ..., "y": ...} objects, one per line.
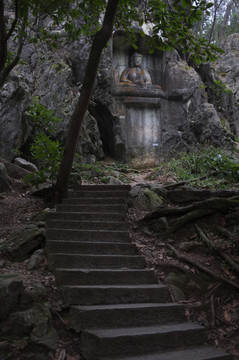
[
  {"x": 227, "y": 70},
  {"x": 47, "y": 75},
  {"x": 221, "y": 81},
  {"x": 14, "y": 129},
  {"x": 10, "y": 289},
  {"x": 173, "y": 115}
]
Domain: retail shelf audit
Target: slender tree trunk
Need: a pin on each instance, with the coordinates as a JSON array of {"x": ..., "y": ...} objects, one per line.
[
  {"x": 6, "y": 71},
  {"x": 3, "y": 43},
  {"x": 100, "y": 41},
  {"x": 221, "y": 35},
  {"x": 214, "y": 21},
  {"x": 4, "y": 37}
]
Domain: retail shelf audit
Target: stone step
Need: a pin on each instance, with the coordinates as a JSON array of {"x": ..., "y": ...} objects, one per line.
[
  {"x": 96, "y": 208},
  {"x": 112, "y": 294},
  {"x": 87, "y": 225},
  {"x": 138, "y": 340},
  {"x": 88, "y": 247},
  {"x": 117, "y": 306},
  {"x": 102, "y": 187},
  {"x": 92, "y": 261},
  {"x": 87, "y": 216},
  {"x": 91, "y": 235},
  {"x": 195, "y": 353},
  {"x": 104, "y": 276},
  {"x": 124, "y": 315},
  {"x": 98, "y": 194},
  {"x": 98, "y": 200}
]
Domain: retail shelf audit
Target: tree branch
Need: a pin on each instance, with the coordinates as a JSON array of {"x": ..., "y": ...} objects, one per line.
[
  {"x": 15, "y": 61},
  {"x": 3, "y": 43},
  {"x": 14, "y": 23}
]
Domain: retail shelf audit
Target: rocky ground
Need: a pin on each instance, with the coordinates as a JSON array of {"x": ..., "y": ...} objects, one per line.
[{"x": 211, "y": 301}]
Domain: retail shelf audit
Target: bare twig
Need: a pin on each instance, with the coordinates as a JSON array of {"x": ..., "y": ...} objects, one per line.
[{"x": 61, "y": 318}]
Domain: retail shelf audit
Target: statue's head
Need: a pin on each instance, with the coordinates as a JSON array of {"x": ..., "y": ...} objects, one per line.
[{"x": 136, "y": 59}]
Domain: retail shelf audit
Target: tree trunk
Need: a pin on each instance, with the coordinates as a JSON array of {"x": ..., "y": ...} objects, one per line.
[
  {"x": 6, "y": 71},
  {"x": 221, "y": 35},
  {"x": 100, "y": 41},
  {"x": 3, "y": 43},
  {"x": 5, "y": 36}
]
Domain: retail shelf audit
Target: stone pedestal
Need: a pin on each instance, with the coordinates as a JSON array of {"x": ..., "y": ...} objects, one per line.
[{"x": 139, "y": 113}]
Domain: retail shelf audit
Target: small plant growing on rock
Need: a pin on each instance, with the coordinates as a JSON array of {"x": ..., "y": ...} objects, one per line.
[
  {"x": 220, "y": 87},
  {"x": 45, "y": 149}
]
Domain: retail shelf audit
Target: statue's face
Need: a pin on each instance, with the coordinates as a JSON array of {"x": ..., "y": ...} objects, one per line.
[{"x": 137, "y": 60}]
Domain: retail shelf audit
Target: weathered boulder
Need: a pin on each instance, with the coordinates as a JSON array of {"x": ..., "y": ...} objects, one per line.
[
  {"x": 227, "y": 70},
  {"x": 25, "y": 164},
  {"x": 191, "y": 119},
  {"x": 221, "y": 81},
  {"x": 31, "y": 295},
  {"x": 10, "y": 289},
  {"x": 114, "y": 181},
  {"x": 24, "y": 241},
  {"x": 3, "y": 179},
  {"x": 14, "y": 129},
  {"x": 14, "y": 171},
  {"x": 36, "y": 260},
  {"x": 188, "y": 285},
  {"x": 144, "y": 198},
  {"x": 35, "y": 324}
]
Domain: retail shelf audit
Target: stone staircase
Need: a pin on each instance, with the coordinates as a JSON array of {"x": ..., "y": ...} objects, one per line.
[{"x": 119, "y": 309}]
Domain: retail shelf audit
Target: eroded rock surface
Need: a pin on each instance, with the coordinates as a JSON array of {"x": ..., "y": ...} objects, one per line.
[{"x": 10, "y": 289}]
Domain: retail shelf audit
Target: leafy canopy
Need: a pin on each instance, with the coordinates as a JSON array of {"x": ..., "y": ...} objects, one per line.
[{"x": 171, "y": 24}]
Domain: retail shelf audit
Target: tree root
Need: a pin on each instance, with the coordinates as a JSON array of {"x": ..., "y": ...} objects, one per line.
[
  {"x": 195, "y": 214},
  {"x": 215, "y": 204},
  {"x": 227, "y": 234},
  {"x": 201, "y": 267},
  {"x": 210, "y": 243}
]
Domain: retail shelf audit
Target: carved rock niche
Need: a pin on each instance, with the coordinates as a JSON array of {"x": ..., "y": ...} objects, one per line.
[{"x": 138, "y": 93}]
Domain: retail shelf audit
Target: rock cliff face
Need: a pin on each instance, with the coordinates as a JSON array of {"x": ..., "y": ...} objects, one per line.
[
  {"x": 159, "y": 120},
  {"x": 222, "y": 84},
  {"x": 186, "y": 113},
  {"x": 49, "y": 75}
]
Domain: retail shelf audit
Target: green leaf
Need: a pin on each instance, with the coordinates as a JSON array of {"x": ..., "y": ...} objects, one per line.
[{"x": 142, "y": 34}]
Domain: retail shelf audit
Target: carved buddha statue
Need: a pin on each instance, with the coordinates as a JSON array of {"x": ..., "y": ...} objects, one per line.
[{"x": 135, "y": 75}]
